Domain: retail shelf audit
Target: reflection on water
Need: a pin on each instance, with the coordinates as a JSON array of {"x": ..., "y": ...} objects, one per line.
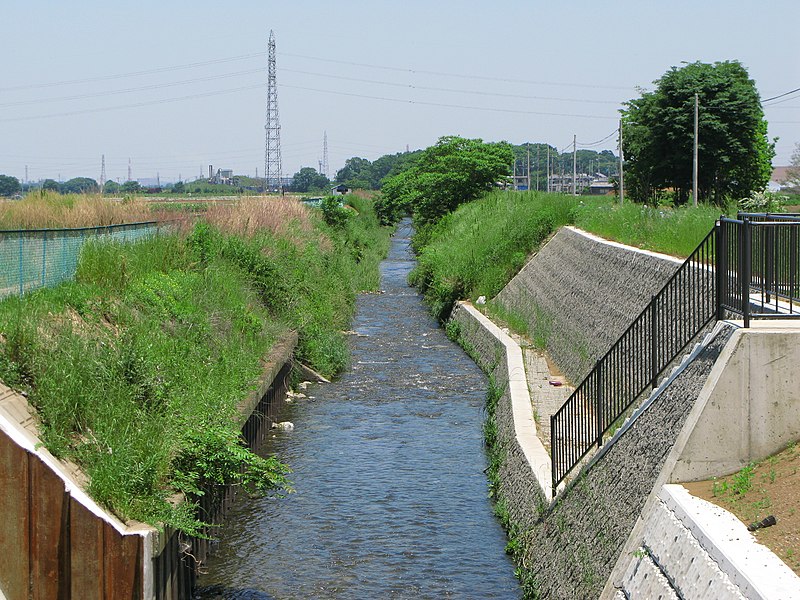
[{"x": 388, "y": 467}]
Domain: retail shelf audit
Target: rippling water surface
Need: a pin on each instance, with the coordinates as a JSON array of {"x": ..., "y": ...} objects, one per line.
[{"x": 388, "y": 467}]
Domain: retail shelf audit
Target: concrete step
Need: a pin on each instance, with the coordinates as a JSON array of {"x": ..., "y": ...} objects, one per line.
[
  {"x": 645, "y": 581},
  {"x": 681, "y": 558}
]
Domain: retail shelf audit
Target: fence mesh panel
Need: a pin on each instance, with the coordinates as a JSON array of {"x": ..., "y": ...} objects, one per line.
[{"x": 35, "y": 258}]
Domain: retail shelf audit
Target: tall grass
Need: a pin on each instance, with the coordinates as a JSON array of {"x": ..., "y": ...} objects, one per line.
[
  {"x": 137, "y": 366},
  {"x": 45, "y": 209},
  {"x": 675, "y": 231},
  {"x": 475, "y": 250}
]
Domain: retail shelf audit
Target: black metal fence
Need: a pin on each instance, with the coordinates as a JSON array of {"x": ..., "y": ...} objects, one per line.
[{"x": 749, "y": 266}]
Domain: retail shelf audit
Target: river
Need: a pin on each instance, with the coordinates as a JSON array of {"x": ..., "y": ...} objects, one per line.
[{"x": 391, "y": 495}]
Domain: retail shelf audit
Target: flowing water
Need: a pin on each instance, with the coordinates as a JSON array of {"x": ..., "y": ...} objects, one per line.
[{"x": 391, "y": 495}]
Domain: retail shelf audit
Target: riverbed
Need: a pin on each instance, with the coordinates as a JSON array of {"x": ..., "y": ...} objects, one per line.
[{"x": 388, "y": 467}]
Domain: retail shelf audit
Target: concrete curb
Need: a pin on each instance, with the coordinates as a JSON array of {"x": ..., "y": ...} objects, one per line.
[
  {"x": 524, "y": 423},
  {"x": 755, "y": 569}
]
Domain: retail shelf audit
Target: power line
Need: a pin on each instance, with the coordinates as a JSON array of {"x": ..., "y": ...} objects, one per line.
[
  {"x": 444, "y": 105},
  {"x": 598, "y": 142},
  {"x": 133, "y": 105},
  {"x": 780, "y": 95},
  {"x": 440, "y": 89},
  {"x": 458, "y": 75},
  {"x": 134, "y": 73},
  {"x": 154, "y": 86}
]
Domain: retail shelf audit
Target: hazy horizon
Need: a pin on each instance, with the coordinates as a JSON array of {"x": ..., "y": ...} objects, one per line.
[{"x": 178, "y": 86}]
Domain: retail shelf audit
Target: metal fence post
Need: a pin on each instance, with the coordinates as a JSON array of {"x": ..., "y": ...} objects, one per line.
[
  {"x": 599, "y": 403},
  {"x": 653, "y": 342},
  {"x": 721, "y": 255},
  {"x": 554, "y": 453},
  {"x": 44, "y": 258},
  {"x": 746, "y": 271}
]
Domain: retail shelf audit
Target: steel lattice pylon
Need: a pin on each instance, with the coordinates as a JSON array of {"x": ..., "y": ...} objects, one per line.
[{"x": 272, "y": 154}]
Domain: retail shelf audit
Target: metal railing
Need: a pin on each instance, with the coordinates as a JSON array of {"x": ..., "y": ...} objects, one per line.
[
  {"x": 35, "y": 258},
  {"x": 674, "y": 316},
  {"x": 747, "y": 266},
  {"x": 760, "y": 271}
]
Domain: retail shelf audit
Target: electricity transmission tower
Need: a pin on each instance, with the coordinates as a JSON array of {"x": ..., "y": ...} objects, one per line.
[
  {"x": 325, "y": 154},
  {"x": 272, "y": 153}
]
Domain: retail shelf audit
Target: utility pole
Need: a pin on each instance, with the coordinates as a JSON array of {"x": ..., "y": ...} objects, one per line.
[
  {"x": 129, "y": 170},
  {"x": 102, "y": 173},
  {"x": 538, "y": 147},
  {"x": 548, "y": 167},
  {"x": 621, "y": 162},
  {"x": 272, "y": 151},
  {"x": 26, "y": 174},
  {"x": 694, "y": 161},
  {"x": 574, "y": 164},
  {"x": 325, "y": 154},
  {"x": 528, "y": 148}
]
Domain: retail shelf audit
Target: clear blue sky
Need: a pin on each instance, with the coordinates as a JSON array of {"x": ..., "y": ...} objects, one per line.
[{"x": 362, "y": 71}]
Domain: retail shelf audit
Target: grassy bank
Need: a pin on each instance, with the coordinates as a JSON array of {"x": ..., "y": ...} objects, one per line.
[
  {"x": 136, "y": 367},
  {"x": 475, "y": 250}
]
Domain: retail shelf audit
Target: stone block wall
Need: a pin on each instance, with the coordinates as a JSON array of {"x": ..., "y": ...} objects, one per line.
[{"x": 580, "y": 293}]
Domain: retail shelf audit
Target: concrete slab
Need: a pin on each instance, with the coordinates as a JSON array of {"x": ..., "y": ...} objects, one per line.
[{"x": 754, "y": 568}]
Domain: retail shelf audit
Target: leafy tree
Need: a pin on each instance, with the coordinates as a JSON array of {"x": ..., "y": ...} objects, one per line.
[
  {"x": 50, "y": 185},
  {"x": 454, "y": 171},
  {"x": 307, "y": 178},
  {"x": 111, "y": 187},
  {"x": 130, "y": 187},
  {"x": 9, "y": 185},
  {"x": 658, "y": 133},
  {"x": 356, "y": 173},
  {"x": 79, "y": 185},
  {"x": 178, "y": 188}
]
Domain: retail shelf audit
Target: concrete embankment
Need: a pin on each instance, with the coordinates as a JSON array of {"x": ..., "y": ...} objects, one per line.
[
  {"x": 590, "y": 539},
  {"x": 56, "y": 542},
  {"x": 579, "y": 293}
]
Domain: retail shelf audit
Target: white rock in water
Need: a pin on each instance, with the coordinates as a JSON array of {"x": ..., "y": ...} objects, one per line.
[
  {"x": 284, "y": 426},
  {"x": 481, "y": 300}
]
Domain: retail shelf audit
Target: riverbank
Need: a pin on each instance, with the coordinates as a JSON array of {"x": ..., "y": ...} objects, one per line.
[
  {"x": 390, "y": 497},
  {"x": 136, "y": 368}
]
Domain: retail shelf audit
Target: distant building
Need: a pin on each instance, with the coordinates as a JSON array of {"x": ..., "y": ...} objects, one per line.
[
  {"x": 340, "y": 190},
  {"x": 779, "y": 180}
]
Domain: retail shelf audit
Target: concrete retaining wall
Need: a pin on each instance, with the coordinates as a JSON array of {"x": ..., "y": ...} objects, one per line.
[
  {"x": 580, "y": 293},
  {"x": 569, "y": 549},
  {"x": 754, "y": 408}
]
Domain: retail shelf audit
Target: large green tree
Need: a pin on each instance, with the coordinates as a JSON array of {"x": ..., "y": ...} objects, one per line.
[
  {"x": 9, "y": 185},
  {"x": 307, "y": 178},
  {"x": 454, "y": 171},
  {"x": 735, "y": 154},
  {"x": 79, "y": 185}
]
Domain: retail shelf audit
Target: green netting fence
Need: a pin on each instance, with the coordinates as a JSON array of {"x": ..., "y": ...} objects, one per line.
[{"x": 35, "y": 258}]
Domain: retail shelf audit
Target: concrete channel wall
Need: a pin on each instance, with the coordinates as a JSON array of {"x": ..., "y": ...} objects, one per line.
[
  {"x": 570, "y": 547},
  {"x": 580, "y": 293},
  {"x": 56, "y": 542}
]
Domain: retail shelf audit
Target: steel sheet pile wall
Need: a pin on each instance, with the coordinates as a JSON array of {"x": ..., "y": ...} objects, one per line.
[{"x": 53, "y": 547}]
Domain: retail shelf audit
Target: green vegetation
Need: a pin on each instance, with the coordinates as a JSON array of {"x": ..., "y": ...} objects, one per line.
[
  {"x": 475, "y": 250},
  {"x": 658, "y": 133},
  {"x": 136, "y": 367},
  {"x": 452, "y": 172},
  {"x": 360, "y": 173},
  {"x": 9, "y": 185},
  {"x": 307, "y": 179},
  {"x": 675, "y": 231}
]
